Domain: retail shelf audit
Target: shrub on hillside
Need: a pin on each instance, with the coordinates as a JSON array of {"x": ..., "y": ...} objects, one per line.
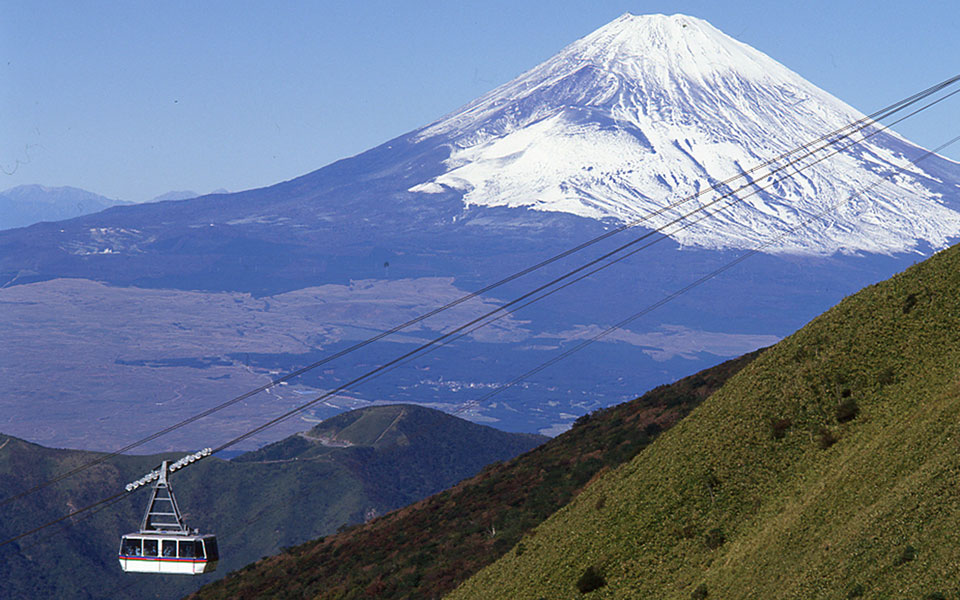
[
  {"x": 855, "y": 591},
  {"x": 779, "y": 427},
  {"x": 909, "y": 303},
  {"x": 710, "y": 481},
  {"x": 825, "y": 438},
  {"x": 591, "y": 580},
  {"x": 847, "y": 410},
  {"x": 887, "y": 376},
  {"x": 582, "y": 420},
  {"x": 935, "y": 596},
  {"x": 714, "y": 538},
  {"x": 700, "y": 592},
  {"x": 685, "y": 532},
  {"x": 909, "y": 553}
]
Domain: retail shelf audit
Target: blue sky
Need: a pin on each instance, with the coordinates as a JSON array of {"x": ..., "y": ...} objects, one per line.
[{"x": 133, "y": 99}]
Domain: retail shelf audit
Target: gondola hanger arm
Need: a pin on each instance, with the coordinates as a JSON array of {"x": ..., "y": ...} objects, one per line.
[{"x": 174, "y": 466}]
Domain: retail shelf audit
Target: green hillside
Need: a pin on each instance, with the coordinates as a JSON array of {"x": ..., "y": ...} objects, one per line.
[
  {"x": 425, "y": 550},
  {"x": 262, "y": 501},
  {"x": 827, "y": 468},
  {"x": 401, "y": 452}
]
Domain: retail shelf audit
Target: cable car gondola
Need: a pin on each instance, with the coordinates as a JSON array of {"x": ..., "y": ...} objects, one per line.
[{"x": 164, "y": 543}]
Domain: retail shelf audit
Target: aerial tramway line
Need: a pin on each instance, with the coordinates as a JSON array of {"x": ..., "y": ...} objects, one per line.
[
  {"x": 828, "y": 139},
  {"x": 164, "y": 544}
]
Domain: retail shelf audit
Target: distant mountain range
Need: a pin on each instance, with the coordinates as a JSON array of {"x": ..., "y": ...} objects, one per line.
[
  {"x": 28, "y": 204},
  {"x": 342, "y": 472},
  {"x": 179, "y": 305},
  {"x": 25, "y": 205}
]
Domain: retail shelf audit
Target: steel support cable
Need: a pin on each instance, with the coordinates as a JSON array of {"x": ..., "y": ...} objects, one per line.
[
  {"x": 571, "y": 351},
  {"x": 550, "y": 292},
  {"x": 478, "y": 401},
  {"x": 859, "y": 125},
  {"x": 102, "y": 506},
  {"x": 688, "y": 287},
  {"x": 440, "y": 339},
  {"x": 731, "y": 197},
  {"x": 64, "y": 518}
]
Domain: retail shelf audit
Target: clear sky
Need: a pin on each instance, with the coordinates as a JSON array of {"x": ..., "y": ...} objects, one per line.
[{"x": 133, "y": 99}]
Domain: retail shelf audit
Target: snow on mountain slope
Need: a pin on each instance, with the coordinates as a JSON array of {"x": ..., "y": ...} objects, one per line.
[{"x": 650, "y": 109}]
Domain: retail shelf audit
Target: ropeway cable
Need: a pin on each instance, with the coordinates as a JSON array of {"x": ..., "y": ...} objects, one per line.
[
  {"x": 102, "y": 505},
  {"x": 579, "y": 346},
  {"x": 689, "y": 286},
  {"x": 76, "y": 512},
  {"x": 447, "y": 337},
  {"x": 664, "y": 236},
  {"x": 859, "y": 125},
  {"x": 863, "y": 121}
]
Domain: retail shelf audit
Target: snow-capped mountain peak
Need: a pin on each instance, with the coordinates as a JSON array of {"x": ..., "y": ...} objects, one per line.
[
  {"x": 651, "y": 109},
  {"x": 660, "y": 46}
]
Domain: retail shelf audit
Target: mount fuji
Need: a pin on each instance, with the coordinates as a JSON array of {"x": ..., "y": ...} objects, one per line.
[
  {"x": 146, "y": 314},
  {"x": 649, "y": 109}
]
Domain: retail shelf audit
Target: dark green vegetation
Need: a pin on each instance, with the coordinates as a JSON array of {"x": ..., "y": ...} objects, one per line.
[
  {"x": 425, "y": 550},
  {"x": 343, "y": 471},
  {"x": 827, "y": 468},
  {"x": 591, "y": 580}
]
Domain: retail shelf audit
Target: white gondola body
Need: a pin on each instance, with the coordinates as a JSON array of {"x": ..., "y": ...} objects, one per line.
[{"x": 168, "y": 554}]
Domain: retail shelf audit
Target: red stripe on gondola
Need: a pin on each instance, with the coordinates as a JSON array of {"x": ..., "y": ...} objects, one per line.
[{"x": 163, "y": 559}]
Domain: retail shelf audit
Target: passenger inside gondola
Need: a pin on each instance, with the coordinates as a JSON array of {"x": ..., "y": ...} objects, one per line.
[
  {"x": 150, "y": 548},
  {"x": 186, "y": 549},
  {"x": 131, "y": 547},
  {"x": 170, "y": 548}
]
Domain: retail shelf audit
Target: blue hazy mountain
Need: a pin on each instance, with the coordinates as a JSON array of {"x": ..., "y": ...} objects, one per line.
[{"x": 28, "y": 204}]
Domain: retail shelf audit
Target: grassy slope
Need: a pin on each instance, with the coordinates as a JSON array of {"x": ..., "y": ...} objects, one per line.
[
  {"x": 797, "y": 520},
  {"x": 425, "y": 550}
]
